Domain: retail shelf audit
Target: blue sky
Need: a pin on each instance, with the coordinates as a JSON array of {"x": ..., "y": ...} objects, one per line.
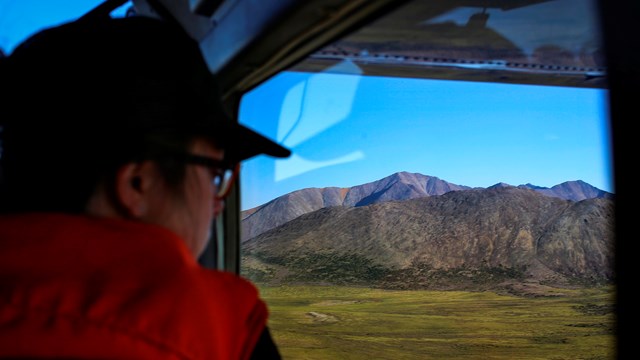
[
  {"x": 347, "y": 130},
  {"x": 21, "y": 18}
]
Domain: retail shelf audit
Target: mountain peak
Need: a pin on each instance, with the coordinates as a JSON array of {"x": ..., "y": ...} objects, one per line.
[
  {"x": 532, "y": 187},
  {"x": 399, "y": 186},
  {"x": 500, "y": 185}
]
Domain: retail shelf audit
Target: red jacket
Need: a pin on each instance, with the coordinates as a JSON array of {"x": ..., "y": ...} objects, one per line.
[{"x": 81, "y": 287}]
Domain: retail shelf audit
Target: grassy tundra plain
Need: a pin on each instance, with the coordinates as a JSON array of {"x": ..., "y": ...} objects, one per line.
[{"x": 332, "y": 322}]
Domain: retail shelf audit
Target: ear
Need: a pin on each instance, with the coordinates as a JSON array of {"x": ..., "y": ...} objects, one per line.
[{"x": 133, "y": 187}]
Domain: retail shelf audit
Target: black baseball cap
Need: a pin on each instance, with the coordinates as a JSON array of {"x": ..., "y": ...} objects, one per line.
[{"x": 85, "y": 84}]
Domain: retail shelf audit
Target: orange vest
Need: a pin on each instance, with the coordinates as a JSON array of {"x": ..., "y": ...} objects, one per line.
[{"x": 74, "y": 286}]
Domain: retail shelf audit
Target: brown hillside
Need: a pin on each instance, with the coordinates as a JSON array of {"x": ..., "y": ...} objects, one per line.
[{"x": 500, "y": 233}]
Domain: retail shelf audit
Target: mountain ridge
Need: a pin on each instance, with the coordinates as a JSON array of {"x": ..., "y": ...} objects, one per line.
[
  {"x": 398, "y": 186},
  {"x": 470, "y": 238}
]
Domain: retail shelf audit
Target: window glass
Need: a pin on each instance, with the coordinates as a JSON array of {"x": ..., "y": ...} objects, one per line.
[
  {"x": 20, "y": 19},
  {"x": 430, "y": 210}
]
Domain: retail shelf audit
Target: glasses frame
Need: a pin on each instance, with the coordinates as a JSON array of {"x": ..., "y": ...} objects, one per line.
[{"x": 218, "y": 168}]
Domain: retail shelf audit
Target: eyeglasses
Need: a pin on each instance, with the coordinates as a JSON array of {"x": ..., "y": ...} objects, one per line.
[{"x": 224, "y": 173}]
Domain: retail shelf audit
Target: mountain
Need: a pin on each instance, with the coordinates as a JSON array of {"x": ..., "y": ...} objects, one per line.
[
  {"x": 466, "y": 238},
  {"x": 398, "y": 186},
  {"x": 571, "y": 190}
]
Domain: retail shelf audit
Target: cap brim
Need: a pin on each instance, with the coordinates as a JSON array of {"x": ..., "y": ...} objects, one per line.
[
  {"x": 146, "y": 95},
  {"x": 248, "y": 143}
]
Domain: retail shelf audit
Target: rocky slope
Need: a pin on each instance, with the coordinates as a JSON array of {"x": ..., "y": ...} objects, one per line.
[
  {"x": 398, "y": 186},
  {"x": 465, "y": 238}
]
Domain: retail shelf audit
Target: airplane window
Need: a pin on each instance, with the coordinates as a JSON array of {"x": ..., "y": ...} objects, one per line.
[
  {"x": 20, "y": 19},
  {"x": 440, "y": 201}
]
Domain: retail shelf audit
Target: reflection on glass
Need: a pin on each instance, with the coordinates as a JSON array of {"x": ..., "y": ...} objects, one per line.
[
  {"x": 316, "y": 104},
  {"x": 529, "y": 42}
]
